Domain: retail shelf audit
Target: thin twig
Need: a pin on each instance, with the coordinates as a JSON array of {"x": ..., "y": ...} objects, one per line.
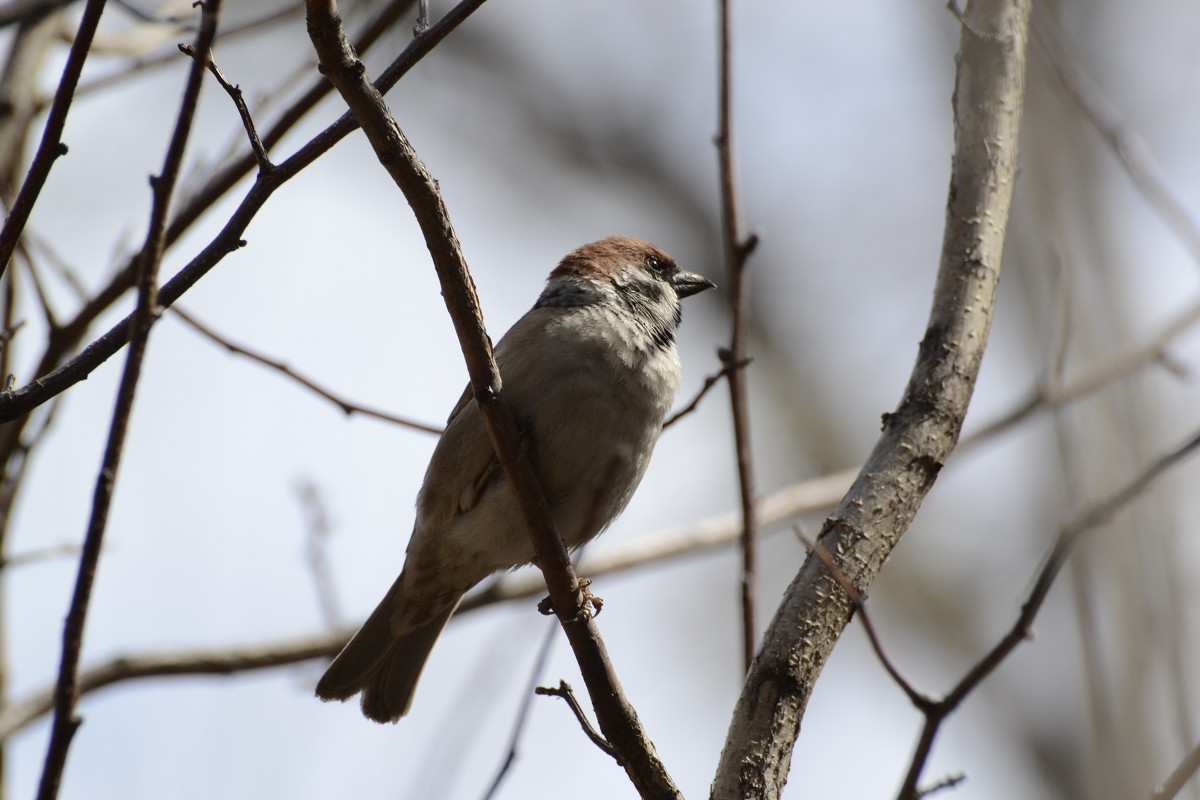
[
  {"x": 1068, "y": 537},
  {"x": 709, "y": 383},
  {"x": 15, "y": 716},
  {"x": 162, "y": 57},
  {"x": 346, "y": 406},
  {"x": 616, "y": 716},
  {"x": 1130, "y": 148},
  {"x": 918, "y": 699},
  {"x": 55, "y": 378},
  {"x": 945, "y": 783},
  {"x": 41, "y": 554},
  {"x": 564, "y": 691},
  {"x": 51, "y": 146},
  {"x": 737, "y": 253},
  {"x": 67, "y": 689},
  {"x": 1054, "y": 393},
  {"x": 316, "y": 536},
  {"x": 48, "y": 315},
  {"x": 514, "y": 740},
  {"x": 235, "y": 93}
]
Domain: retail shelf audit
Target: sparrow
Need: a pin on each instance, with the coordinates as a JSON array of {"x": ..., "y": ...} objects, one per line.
[{"x": 589, "y": 373}]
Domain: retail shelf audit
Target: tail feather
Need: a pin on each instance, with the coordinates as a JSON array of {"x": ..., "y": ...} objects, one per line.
[
  {"x": 382, "y": 665},
  {"x": 388, "y": 690}
]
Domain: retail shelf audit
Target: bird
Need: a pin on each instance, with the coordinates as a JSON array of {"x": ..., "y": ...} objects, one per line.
[{"x": 589, "y": 374}]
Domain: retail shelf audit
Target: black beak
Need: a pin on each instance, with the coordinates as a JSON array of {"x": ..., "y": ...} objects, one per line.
[{"x": 689, "y": 283}]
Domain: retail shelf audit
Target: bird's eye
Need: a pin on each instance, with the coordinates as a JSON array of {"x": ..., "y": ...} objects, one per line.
[{"x": 656, "y": 265}]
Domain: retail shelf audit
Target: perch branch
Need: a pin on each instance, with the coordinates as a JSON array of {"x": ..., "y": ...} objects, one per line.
[{"x": 340, "y": 64}]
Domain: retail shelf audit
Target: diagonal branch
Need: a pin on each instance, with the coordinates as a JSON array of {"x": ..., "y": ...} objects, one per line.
[
  {"x": 1130, "y": 148},
  {"x": 55, "y": 380},
  {"x": 920, "y": 434},
  {"x": 346, "y": 406},
  {"x": 1068, "y": 537},
  {"x": 617, "y": 719},
  {"x": 51, "y": 146}
]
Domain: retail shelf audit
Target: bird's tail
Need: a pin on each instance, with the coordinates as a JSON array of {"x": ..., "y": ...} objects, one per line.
[{"x": 383, "y": 666}]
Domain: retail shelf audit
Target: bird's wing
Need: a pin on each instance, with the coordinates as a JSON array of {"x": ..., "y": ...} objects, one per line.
[
  {"x": 461, "y": 404},
  {"x": 462, "y": 467},
  {"x": 464, "y": 464}
]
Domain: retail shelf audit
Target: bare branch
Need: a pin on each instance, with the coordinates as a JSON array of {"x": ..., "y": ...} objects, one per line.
[
  {"x": 235, "y": 93},
  {"x": 51, "y": 146},
  {"x": 919, "y": 436},
  {"x": 636, "y": 552},
  {"x": 54, "y": 380},
  {"x": 1130, "y": 148},
  {"x": 162, "y": 57},
  {"x": 535, "y": 673},
  {"x": 41, "y": 554},
  {"x": 1068, "y": 536},
  {"x": 1055, "y": 393},
  {"x": 183, "y": 663},
  {"x": 565, "y": 691},
  {"x": 315, "y": 538},
  {"x": 946, "y": 783},
  {"x": 640, "y": 551},
  {"x": 709, "y": 383},
  {"x": 1179, "y": 777},
  {"x": 66, "y": 693},
  {"x": 617, "y": 718},
  {"x": 346, "y": 406},
  {"x": 737, "y": 254}
]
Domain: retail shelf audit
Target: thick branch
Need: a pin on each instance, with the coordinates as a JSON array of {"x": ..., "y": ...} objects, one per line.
[
  {"x": 919, "y": 436},
  {"x": 617, "y": 718}
]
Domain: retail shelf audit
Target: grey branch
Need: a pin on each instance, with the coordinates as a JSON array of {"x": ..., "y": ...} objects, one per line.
[
  {"x": 920, "y": 434},
  {"x": 187, "y": 662},
  {"x": 717, "y": 531}
]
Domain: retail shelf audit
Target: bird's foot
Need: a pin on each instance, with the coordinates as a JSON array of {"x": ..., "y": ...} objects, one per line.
[{"x": 591, "y": 604}]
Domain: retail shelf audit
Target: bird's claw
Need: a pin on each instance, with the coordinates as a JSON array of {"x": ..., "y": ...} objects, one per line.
[{"x": 591, "y": 604}]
